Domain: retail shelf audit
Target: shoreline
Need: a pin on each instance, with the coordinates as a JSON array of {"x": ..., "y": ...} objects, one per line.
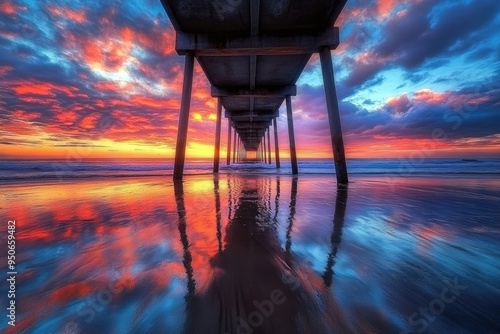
[{"x": 367, "y": 248}]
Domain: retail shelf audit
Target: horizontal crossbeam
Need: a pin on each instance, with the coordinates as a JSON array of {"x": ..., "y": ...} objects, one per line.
[
  {"x": 261, "y": 114},
  {"x": 203, "y": 44},
  {"x": 258, "y": 92},
  {"x": 251, "y": 125}
]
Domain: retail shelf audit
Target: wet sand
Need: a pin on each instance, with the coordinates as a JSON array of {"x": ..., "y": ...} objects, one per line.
[{"x": 256, "y": 254}]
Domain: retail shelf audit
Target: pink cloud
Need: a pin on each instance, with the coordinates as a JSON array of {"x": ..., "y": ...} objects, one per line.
[
  {"x": 79, "y": 16},
  {"x": 400, "y": 104}
]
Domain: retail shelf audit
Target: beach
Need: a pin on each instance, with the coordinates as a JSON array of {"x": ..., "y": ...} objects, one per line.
[{"x": 239, "y": 253}]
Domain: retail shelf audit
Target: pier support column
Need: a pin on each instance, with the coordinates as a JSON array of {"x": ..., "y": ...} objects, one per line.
[
  {"x": 234, "y": 147},
  {"x": 291, "y": 135},
  {"x": 217, "y": 136},
  {"x": 333, "y": 116},
  {"x": 269, "y": 145},
  {"x": 264, "y": 148},
  {"x": 276, "y": 146},
  {"x": 263, "y": 151},
  {"x": 240, "y": 153},
  {"x": 241, "y": 156},
  {"x": 187, "y": 86},
  {"x": 238, "y": 150},
  {"x": 228, "y": 142}
]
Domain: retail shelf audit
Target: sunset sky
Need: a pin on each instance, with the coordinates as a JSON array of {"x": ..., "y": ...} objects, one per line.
[{"x": 102, "y": 79}]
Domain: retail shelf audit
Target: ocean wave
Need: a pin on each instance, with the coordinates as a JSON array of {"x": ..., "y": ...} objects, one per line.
[{"x": 46, "y": 170}]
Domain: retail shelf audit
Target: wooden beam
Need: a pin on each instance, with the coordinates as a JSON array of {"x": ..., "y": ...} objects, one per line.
[
  {"x": 269, "y": 91},
  {"x": 204, "y": 44},
  {"x": 252, "y": 105},
  {"x": 291, "y": 135},
  {"x": 264, "y": 148},
  {"x": 268, "y": 145},
  {"x": 239, "y": 113},
  {"x": 234, "y": 146},
  {"x": 339, "y": 5},
  {"x": 170, "y": 14},
  {"x": 254, "y": 17},
  {"x": 217, "y": 136},
  {"x": 251, "y": 125},
  {"x": 246, "y": 135},
  {"x": 256, "y": 118},
  {"x": 333, "y": 116},
  {"x": 263, "y": 144},
  {"x": 228, "y": 162},
  {"x": 187, "y": 86},
  {"x": 239, "y": 148},
  {"x": 276, "y": 146},
  {"x": 253, "y": 71}
]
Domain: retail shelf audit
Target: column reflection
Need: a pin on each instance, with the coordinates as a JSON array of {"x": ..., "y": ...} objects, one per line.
[
  {"x": 336, "y": 237},
  {"x": 256, "y": 286}
]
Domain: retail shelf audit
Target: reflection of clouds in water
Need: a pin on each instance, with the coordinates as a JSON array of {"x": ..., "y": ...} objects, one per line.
[
  {"x": 251, "y": 244},
  {"x": 256, "y": 285}
]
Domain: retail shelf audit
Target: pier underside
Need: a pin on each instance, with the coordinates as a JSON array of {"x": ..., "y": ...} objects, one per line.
[{"x": 252, "y": 53}]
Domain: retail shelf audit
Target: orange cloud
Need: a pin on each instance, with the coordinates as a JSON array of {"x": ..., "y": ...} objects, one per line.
[
  {"x": 113, "y": 49},
  {"x": 431, "y": 97},
  {"x": 160, "y": 41},
  {"x": 147, "y": 101},
  {"x": 92, "y": 53},
  {"x": 69, "y": 292},
  {"x": 384, "y": 7},
  {"x": 79, "y": 16},
  {"x": 25, "y": 116},
  {"x": 32, "y": 88},
  {"x": 43, "y": 88},
  {"x": 88, "y": 122},
  {"x": 9, "y": 8},
  {"x": 66, "y": 117},
  {"x": 37, "y": 100},
  {"x": 108, "y": 52}
]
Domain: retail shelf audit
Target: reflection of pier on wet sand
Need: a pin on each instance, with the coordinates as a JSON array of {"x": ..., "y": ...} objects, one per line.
[
  {"x": 256, "y": 285},
  {"x": 252, "y": 53},
  {"x": 149, "y": 256}
]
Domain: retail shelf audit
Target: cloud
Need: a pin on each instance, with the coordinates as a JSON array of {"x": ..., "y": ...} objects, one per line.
[
  {"x": 399, "y": 105},
  {"x": 9, "y": 8},
  {"x": 467, "y": 113},
  {"x": 410, "y": 37},
  {"x": 66, "y": 13}
]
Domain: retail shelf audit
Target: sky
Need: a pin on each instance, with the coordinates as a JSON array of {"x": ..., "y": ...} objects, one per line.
[{"x": 101, "y": 79}]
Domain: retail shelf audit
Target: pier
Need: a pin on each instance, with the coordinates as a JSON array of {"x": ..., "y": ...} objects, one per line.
[{"x": 252, "y": 53}]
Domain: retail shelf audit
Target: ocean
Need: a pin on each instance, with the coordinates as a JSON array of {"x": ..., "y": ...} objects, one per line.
[{"x": 90, "y": 168}]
